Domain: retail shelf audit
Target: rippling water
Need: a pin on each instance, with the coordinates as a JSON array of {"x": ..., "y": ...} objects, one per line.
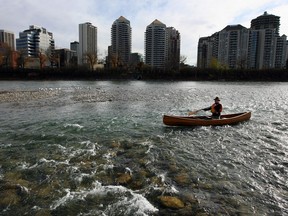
[{"x": 100, "y": 148}]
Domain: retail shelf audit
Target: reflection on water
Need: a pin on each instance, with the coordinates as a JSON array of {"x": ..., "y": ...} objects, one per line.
[{"x": 100, "y": 148}]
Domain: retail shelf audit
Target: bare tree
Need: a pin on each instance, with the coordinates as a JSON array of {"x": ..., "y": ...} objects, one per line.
[
  {"x": 242, "y": 62},
  {"x": 91, "y": 58},
  {"x": 53, "y": 57},
  {"x": 42, "y": 59},
  {"x": 183, "y": 59},
  {"x": 114, "y": 61},
  {"x": 22, "y": 59},
  {"x": 6, "y": 54}
]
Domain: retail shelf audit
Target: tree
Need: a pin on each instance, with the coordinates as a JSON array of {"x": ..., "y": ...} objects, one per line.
[
  {"x": 113, "y": 61},
  {"x": 242, "y": 62},
  {"x": 1, "y": 59},
  {"x": 91, "y": 58},
  {"x": 6, "y": 54},
  {"x": 22, "y": 60},
  {"x": 183, "y": 59},
  {"x": 73, "y": 61},
  {"x": 53, "y": 57},
  {"x": 42, "y": 59},
  {"x": 214, "y": 64}
]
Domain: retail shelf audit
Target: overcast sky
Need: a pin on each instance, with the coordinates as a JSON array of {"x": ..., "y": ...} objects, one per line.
[{"x": 192, "y": 18}]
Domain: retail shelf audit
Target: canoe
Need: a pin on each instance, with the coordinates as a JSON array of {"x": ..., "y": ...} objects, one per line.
[{"x": 228, "y": 119}]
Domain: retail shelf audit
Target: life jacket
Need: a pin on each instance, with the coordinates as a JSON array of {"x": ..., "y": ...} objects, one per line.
[{"x": 213, "y": 110}]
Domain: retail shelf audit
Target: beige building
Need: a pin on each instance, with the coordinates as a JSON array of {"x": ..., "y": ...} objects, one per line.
[
  {"x": 8, "y": 38},
  {"x": 87, "y": 41}
]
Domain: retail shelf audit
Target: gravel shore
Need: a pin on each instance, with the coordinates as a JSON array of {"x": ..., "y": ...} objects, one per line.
[{"x": 24, "y": 96}]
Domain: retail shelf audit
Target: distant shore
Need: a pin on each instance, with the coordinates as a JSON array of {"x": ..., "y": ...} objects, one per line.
[{"x": 185, "y": 74}]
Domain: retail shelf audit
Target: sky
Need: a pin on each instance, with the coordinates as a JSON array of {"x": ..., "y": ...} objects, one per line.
[{"x": 192, "y": 18}]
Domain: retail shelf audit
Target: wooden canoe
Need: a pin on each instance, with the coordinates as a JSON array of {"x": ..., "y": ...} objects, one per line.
[{"x": 228, "y": 119}]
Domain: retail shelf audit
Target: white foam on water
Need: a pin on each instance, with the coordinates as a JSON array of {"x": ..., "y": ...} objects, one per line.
[
  {"x": 62, "y": 200},
  {"x": 128, "y": 170},
  {"x": 73, "y": 126},
  {"x": 44, "y": 160},
  {"x": 92, "y": 147},
  {"x": 58, "y": 146},
  {"x": 108, "y": 166},
  {"x": 165, "y": 186},
  {"x": 125, "y": 199},
  {"x": 149, "y": 144},
  {"x": 36, "y": 208},
  {"x": 5, "y": 145},
  {"x": 23, "y": 165},
  {"x": 82, "y": 175}
]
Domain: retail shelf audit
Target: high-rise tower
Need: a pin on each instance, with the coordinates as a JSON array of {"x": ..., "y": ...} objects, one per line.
[
  {"x": 87, "y": 41},
  {"x": 156, "y": 45},
  {"x": 173, "y": 42},
  {"x": 8, "y": 38},
  {"x": 265, "y": 43},
  {"x": 233, "y": 46},
  {"x": 121, "y": 40},
  {"x": 266, "y": 21},
  {"x": 259, "y": 47}
]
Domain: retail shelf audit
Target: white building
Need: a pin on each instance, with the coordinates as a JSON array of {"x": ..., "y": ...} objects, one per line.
[
  {"x": 35, "y": 40},
  {"x": 87, "y": 41}
]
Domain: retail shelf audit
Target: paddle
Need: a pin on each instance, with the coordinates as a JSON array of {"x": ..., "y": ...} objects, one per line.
[{"x": 193, "y": 112}]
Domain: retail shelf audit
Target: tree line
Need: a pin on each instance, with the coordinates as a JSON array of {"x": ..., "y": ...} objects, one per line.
[{"x": 144, "y": 73}]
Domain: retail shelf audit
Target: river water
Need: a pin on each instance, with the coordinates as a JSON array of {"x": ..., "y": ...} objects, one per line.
[{"x": 100, "y": 148}]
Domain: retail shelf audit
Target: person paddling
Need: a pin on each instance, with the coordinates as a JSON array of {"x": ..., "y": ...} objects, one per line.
[{"x": 215, "y": 109}]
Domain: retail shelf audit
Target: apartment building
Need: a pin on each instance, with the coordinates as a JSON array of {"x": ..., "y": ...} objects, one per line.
[
  {"x": 237, "y": 47},
  {"x": 87, "y": 42},
  {"x": 121, "y": 32},
  {"x": 173, "y": 43},
  {"x": 8, "y": 38},
  {"x": 35, "y": 40},
  {"x": 162, "y": 46},
  {"x": 156, "y": 45}
]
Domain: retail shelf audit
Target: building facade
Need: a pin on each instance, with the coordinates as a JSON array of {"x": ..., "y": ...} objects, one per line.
[
  {"x": 74, "y": 46},
  {"x": 65, "y": 57},
  {"x": 8, "y": 38},
  {"x": 35, "y": 40},
  {"x": 156, "y": 45},
  {"x": 237, "y": 47},
  {"x": 281, "y": 57},
  {"x": 173, "y": 43},
  {"x": 233, "y": 46},
  {"x": 266, "y": 21},
  {"x": 268, "y": 48},
  {"x": 121, "y": 32},
  {"x": 87, "y": 42}
]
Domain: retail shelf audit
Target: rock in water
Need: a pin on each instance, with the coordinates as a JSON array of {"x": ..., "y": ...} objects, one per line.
[{"x": 171, "y": 202}]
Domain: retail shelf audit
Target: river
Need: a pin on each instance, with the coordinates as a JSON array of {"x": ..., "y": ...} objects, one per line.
[{"x": 100, "y": 148}]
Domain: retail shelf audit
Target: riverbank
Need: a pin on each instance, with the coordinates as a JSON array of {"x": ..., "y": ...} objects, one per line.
[{"x": 189, "y": 74}]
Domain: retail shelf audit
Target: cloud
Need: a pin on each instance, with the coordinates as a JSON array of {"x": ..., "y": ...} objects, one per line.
[{"x": 193, "y": 19}]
